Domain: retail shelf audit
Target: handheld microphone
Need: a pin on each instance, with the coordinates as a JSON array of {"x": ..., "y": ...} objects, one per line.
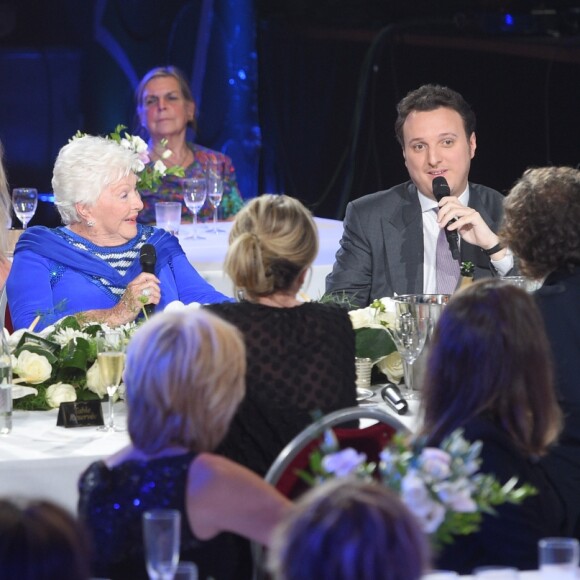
[
  {"x": 148, "y": 258},
  {"x": 392, "y": 396},
  {"x": 441, "y": 189}
]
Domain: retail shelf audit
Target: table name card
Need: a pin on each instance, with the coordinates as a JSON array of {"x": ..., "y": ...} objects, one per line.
[{"x": 80, "y": 414}]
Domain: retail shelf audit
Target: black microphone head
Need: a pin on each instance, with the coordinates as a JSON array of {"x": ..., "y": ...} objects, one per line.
[
  {"x": 148, "y": 258},
  {"x": 441, "y": 188}
]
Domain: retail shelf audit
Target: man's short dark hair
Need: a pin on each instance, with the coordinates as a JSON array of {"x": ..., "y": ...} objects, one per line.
[{"x": 429, "y": 98}]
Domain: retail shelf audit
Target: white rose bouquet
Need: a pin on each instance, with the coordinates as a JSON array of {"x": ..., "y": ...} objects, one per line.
[
  {"x": 442, "y": 486},
  {"x": 59, "y": 362},
  {"x": 373, "y": 337}
]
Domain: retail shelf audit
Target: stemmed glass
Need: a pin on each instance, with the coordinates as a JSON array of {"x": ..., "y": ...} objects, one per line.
[
  {"x": 215, "y": 189},
  {"x": 24, "y": 202},
  {"x": 161, "y": 535},
  {"x": 409, "y": 333},
  {"x": 194, "y": 194},
  {"x": 111, "y": 361}
]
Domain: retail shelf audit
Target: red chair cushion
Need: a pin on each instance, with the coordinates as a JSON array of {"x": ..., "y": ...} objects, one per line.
[{"x": 370, "y": 440}]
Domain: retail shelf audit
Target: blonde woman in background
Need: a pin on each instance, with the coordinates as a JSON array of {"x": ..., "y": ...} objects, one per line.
[{"x": 300, "y": 355}]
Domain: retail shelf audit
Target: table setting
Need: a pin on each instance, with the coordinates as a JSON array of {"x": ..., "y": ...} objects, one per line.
[
  {"x": 390, "y": 336},
  {"x": 40, "y": 458}
]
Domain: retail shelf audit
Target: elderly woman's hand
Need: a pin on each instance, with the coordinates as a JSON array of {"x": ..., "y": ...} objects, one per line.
[{"x": 142, "y": 290}]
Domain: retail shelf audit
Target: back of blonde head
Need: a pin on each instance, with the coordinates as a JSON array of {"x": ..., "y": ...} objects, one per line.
[
  {"x": 185, "y": 379},
  {"x": 272, "y": 241}
]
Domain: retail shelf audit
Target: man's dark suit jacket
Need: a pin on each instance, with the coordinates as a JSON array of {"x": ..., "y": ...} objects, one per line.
[{"x": 381, "y": 249}]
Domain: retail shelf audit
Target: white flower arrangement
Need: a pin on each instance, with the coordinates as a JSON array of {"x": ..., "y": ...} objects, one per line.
[
  {"x": 442, "y": 486},
  {"x": 59, "y": 362},
  {"x": 373, "y": 337}
]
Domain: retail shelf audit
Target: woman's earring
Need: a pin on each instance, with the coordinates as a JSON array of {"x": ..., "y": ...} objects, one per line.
[{"x": 91, "y": 223}]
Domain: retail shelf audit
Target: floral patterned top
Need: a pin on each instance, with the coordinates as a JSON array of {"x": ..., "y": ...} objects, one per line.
[{"x": 170, "y": 189}]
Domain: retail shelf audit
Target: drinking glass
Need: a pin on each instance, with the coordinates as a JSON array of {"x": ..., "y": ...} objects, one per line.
[
  {"x": 186, "y": 571},
  {"x": 24, "y": 202},
  {"x": 168, "y": 216},
  {"x": 194, "y": 194},
  {"x": 161, "y": 536},
  {"x": 558, "y": 558},
  {"x": 111, "y": 360},
  {"x": 409, "y": 333},
  {"x": 215, "y": 189}
]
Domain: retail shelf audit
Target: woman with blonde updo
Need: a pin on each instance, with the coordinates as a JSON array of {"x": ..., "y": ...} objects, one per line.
[{"x": 300, "y": 355}]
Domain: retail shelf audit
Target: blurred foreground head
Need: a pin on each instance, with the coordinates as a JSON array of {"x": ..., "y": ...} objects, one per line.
[
  {"x": 348, "y": 529},
  {"x": 41, "y": 541}
]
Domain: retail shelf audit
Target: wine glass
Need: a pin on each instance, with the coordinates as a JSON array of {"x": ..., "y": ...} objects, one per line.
[
  {"x": 24, "y": 202},
  {"x": 194, "y": 194},
  {"x": 409, "y": 333},
  {"x": 161, "y": 536},
  {"x": 111, "y": 361},
  {"x": 215, "y": 189}
]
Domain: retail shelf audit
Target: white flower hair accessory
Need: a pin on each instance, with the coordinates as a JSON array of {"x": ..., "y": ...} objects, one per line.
[{"x": 149, "y": 176}]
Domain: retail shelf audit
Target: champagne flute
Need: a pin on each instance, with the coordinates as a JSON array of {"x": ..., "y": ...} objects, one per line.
[
  {"x": 409, "y": 333},
  {"x": 161, "y": 536},
  {"x": 215, "y": 189},
  {"x": 194, "y": 194},
  {"x": 111, "y": 361},
  {"x": 24, "y": 202}
]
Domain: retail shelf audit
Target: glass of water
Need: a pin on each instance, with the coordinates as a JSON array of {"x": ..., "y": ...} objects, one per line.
[
  {"x": 558, "y": 558},
  {"x": 24, "y": 202},
  {"x": 161, "y": 536}
]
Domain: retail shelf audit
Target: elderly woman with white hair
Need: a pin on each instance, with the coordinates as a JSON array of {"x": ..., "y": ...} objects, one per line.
[{"x": 91, "y": 265}]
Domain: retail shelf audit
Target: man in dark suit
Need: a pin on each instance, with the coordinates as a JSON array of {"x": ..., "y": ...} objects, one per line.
[{"x": 389, "y": 244}]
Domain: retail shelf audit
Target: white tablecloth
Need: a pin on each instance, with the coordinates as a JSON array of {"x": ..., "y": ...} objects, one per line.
[
  {"x": 39, "y": 459},
  {"x": 207, "y": 254}
]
